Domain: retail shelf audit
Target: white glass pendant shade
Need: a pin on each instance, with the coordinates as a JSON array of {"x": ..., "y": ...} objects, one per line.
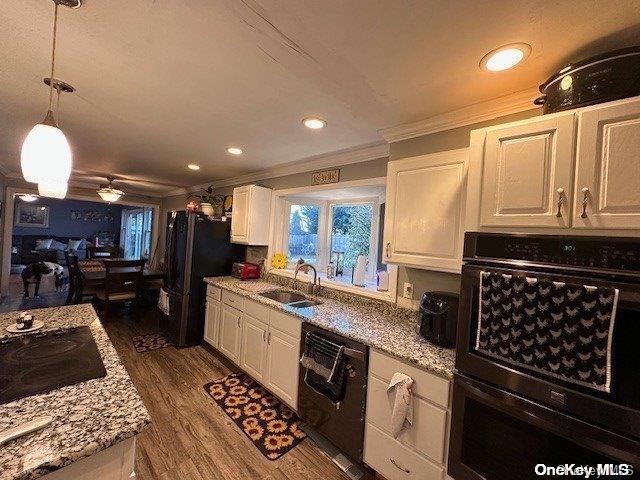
[
  {"x": 52, "y": 189},
  {"x": 46, "y": 155},
  {"x": 110, "y": 194}
]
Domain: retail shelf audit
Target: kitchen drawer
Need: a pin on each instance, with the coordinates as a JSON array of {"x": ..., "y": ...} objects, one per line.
[
  {"x": 429, "y": 429},
  {"x": 425, "y": 384},
  {"x": 233, "y": 300},
  {"x": 394, "y": 461},
  {"x": 285, "y": 323},
  {"x": 256, "y": 310},
  {"x": 214, "y": 292}
]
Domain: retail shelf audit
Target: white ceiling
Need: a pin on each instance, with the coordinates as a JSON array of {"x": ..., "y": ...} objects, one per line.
[{"x": 163, "y": 83}]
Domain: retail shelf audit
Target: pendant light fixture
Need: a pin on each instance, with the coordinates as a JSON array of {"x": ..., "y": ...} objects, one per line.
[
  {"x": 46, "y": 157},
  {"x": 108, "y": 193}
]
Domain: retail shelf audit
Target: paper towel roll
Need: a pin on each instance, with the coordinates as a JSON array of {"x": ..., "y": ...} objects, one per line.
[{"x": 360, "y": 271}]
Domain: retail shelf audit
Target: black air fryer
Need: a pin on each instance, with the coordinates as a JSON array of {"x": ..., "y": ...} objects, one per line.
[{"x": 438, "y": 318}]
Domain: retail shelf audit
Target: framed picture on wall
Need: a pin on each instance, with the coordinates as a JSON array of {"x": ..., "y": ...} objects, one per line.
[{"x": 32, "y": 216}]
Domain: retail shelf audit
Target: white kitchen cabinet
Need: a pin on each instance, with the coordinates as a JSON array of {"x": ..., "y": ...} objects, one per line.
[
  {"x": 230, "y": 333},
  {"x": 282, "y": 366},
  {"x": 263, "y": 342},
  {"x": 607, "y": 193},
  {"x": 251, "y": 214},
  {"x": 420, "y": 451},
  {"x": 254, "y": 347},
  {"x": 424, "y": 216},
  {"x": 212, "y": 321},
  {"x": 527, "y": 172}
]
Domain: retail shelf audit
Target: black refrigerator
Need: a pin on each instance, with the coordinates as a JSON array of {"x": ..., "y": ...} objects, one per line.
[{"x": 196, "y": 247}]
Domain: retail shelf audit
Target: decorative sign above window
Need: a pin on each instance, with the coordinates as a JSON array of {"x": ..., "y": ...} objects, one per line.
[{"x": 325, "y": 176}]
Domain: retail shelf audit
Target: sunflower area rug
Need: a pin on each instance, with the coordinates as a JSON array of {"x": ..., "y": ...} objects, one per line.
[
  {"x": 152, "y": 341},
  {"x": 272, "y": 426}
]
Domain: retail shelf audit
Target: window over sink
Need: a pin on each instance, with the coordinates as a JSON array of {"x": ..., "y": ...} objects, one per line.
[{"x": 330, "y": 227}]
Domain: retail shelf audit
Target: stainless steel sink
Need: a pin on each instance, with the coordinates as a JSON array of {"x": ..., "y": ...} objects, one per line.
[
  {"x": 284, "y": 296},
  {"x": 293, "y": 299}
]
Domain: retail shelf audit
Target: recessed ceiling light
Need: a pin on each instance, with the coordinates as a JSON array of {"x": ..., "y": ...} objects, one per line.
[
  {"x": 235, "y": 151},
  {"x": 505, "y": 57},
  {"x": 193, "y": 166},
  {"x": 314, "y": 123}
]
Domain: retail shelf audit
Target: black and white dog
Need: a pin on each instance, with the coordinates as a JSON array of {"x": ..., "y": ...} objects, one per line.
[{"x": 34, "y": 272}]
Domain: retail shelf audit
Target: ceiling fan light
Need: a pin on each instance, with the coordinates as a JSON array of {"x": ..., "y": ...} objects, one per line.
[
  {"x": 28, "y": 197},
  {"x": 46, "y": 155},
  {"x": 52, "y": 189},
  {"x": 108, "y": 193}
]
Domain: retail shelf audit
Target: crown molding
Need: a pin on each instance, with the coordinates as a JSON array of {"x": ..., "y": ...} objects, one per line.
[
  {"x": 478, "y": 112},
  {"x": 310, "y": 164}
]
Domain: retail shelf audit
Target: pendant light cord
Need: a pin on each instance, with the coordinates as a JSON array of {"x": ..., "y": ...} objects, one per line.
[{"x": 53, "y": 52}]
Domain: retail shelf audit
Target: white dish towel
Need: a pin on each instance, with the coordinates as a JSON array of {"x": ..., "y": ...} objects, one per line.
[
  {"x": 399, "y": 392},
  {"x": 163, "y": 301}
]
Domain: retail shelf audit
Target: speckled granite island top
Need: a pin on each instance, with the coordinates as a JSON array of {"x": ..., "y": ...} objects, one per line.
[
  {"x": 384, "y": 327},
  {"x": 88, "y": 417}
]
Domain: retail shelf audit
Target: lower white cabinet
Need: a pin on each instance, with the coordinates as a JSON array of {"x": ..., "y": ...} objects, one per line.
[
  {"x": 254, "y": 347},
  {"x": 230, "y": 330},
  {"x": 263, "y": 342},
  {"x": 282, "y": 366},
  {"x": 420, "y": 451},
  {"x": 212, "y": 322}
]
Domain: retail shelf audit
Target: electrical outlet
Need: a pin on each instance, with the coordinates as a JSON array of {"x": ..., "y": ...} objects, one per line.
[{"x": 407, "y": 291}]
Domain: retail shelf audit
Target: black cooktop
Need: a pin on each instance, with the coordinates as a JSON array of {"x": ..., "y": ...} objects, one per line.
[{"x": 44, "y": 361}]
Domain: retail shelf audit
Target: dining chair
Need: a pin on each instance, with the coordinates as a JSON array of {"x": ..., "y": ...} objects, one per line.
[
  {"x": 122, "y": 282},
  {"x": 78, "y": 292}
]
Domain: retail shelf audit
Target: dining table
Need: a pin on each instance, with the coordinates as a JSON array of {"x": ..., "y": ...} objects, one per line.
[{"x": 94, "y": 274}]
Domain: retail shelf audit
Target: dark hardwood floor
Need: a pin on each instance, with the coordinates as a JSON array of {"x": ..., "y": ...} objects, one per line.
[{"x": 190, "y": 437}]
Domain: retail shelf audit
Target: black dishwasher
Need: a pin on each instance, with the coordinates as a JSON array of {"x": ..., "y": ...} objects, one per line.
[{"x": 339, "y": 419}]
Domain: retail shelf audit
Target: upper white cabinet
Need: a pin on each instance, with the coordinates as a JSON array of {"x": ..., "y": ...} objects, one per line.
[
  {"x": 607, "y": 193},
  {"x": 251, "y": 213},
  {"x": 424, "y": 216},
  {"x": 526, "y": 179},
  {"x": 576, "y": 170}
]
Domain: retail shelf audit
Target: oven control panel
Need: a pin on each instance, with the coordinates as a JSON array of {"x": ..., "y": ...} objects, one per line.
[{"x": 617, "y": 253}]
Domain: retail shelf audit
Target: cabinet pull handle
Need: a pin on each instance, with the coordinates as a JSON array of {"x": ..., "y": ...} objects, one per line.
[
  {"x": 238, "y": 322},
  {"x": 405, "y": 470},
  {"x": 585, "y": 202},
  {"x": 560, "y": 201},
  {"x": 264, "y": 335},
  {"x": 387, "y": 248},
  {"x": 269, "y": 338}
]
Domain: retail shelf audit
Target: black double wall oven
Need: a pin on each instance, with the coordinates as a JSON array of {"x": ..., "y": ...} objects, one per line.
[{"x": 513, "y": 419}]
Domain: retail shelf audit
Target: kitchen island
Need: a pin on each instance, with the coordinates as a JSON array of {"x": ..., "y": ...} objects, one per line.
[{"x": 95, "y": 422}]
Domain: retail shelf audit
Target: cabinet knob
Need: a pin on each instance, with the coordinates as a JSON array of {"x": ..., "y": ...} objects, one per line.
[
  {"x": 585, "y": 201},
  {"x": 560, "y": 201}
]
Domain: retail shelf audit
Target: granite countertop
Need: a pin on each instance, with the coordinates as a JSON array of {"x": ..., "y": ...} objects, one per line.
[
  {"x": 384, "y": 327},
  {"x": 88, "y": 417}
]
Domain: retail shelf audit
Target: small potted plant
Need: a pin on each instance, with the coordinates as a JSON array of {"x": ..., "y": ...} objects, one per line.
[{"x": 207, "y": 200}]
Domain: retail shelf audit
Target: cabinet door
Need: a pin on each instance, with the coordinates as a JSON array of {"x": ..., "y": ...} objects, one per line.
[
  {"x": 608, "y": 167},
  {"x": 240, "y": 217},
  {"x": 230, "y": 333},
  {"x": 283, "y": 355},
  {"x": 527, "y": 172},
  {"x": 424, "y": 212},
  {"x": 254, "y": 347},
  {"x": 212, "y": 322}
]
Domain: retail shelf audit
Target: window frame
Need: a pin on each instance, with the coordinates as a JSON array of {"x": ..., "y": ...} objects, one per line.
[{"x": 282, "y": 201}]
